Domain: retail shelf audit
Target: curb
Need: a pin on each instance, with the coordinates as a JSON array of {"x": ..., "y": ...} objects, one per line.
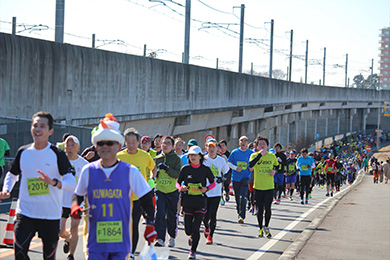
[{"x": 293, "y": 250}]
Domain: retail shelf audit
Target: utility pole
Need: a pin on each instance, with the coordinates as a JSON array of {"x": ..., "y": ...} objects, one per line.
[
  {"x": 372, "y": 69},
  {"x": 251, "y": 68},
  {"x": 93, "y": 41},
  {"x": 186, "y": 59},
  {"x": 241, "y": 39},
  {"x": 271, "y": 48},
  {"x": 60, "y": 16},
  {"x": 14, "y": 25},
  {"x": 291, "y": 48},
  {"x": 216, "y": 66},
  {"x": 306, "y": 59},
  {"x": 323, "y": 73},
  {"x": 346, "y": 70}
]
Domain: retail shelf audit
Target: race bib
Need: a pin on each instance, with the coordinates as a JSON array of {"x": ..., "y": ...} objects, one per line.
[
  {"x": 305, "y": 167},
  {"x": 194, "y": 188},
  {"x": 330, "y": 169},
  {"x": 109, "y": 232},
  {"x": 291, "y": 168},
  {"x": 37, "y": 187},
  {"x": 243, "y": 165},
  {"x": 215, "y": 171},
  {"x": 163, "y": 179}
]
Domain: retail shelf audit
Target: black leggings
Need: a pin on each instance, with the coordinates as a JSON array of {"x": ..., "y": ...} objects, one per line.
[
  {"x": 25, "y": 229},
  {"x": 193, "y": 217},
  {"x": 226, "y": 182},
  {"x": 305, "y": 185},
  {"x": 136, "y": 215},
  {"x": 264, "y": 202},
  {"x": 210, "y": 218}
]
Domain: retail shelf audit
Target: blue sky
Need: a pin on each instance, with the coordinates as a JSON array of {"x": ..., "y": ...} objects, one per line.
[{"x": 342, "y": 26}]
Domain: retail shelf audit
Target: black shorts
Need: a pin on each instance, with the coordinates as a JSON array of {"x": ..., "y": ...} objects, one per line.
[
  {"x": 65, "y": 212},
  {"x": 330, "y": 177}
]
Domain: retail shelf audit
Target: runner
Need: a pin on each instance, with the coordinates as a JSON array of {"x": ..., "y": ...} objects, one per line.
[
  {"x": 218, "y": 167},
  {"x": 194, "y": 176},
  {"x": 72, "y": 147},
  {"x": 320, "y": 171},
  {"x": 109, "y": 184},
  {"x": 280, "y": 174},
  {"x": 386, "y": 170},
  {"x": 145, "y": 145},
  {"x": 4, "y": 151},
  {"x": 238, "y": 162},
  {"x": 144, "y": 162},
  {"x": 184, "y": 157},
  {"x": 330, "y": 169},
  {"x": 227, "y": 178},
  {"x": 179, "y": 146},
  {"x": 44, "y": 172},
  {"x": 291, "y": 177},
  {"x": 264, "y": 166},
  {"x": 167, "y": 196},
  {"x": 305, "y": 164},
  {"x": 157, "y": 143}
]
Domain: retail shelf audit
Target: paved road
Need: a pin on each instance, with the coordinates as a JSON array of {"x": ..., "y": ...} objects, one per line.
[{"x": 232, "y": 240}]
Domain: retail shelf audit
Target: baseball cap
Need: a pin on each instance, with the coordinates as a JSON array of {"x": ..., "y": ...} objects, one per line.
[
  {"x": 74, "y": 138},
  {"x": 192, "y": 142},
  {"x": 243, "y": 137},
  {"x": 195, "y": 150},
  {"x": 145, "y": 139},
  {"x": 211, "y": 142},
  {"x": 293, "y": 152}
]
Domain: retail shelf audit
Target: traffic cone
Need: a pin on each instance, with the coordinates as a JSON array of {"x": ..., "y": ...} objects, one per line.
[
  {"x": 231, "y": 191},
  {"x": 9, "y": 230}
]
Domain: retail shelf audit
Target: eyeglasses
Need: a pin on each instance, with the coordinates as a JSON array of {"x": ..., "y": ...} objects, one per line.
[{"x": 108, "y": 143}]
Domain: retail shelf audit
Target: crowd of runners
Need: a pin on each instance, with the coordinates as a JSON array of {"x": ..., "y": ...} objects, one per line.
[{"x": 123, "y": 178}]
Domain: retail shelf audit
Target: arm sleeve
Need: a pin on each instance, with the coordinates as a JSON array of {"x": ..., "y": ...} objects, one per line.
[
  {"x": 225, "y": 167},
  {"x": 7, "y": 153},
  {"x": 82, "y": 183},
  {"x": 178, "y": 186},
  {"x": 9, "y": 181},
  {"x": 147, "y": 204},
  {"x": 174, "y": 170},
  {"x": 253, "y": 161},
  {"x": 232, "y": 166},
  {"x": 77, "y": 199},
  {"x": 15, "y": 168}
]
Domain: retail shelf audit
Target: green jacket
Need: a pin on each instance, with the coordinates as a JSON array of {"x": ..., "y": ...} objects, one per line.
[{"x": 166, "y": 180}]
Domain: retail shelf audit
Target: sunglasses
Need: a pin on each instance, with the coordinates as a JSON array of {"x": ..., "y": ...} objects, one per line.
[{"x": 108, "y": 143}]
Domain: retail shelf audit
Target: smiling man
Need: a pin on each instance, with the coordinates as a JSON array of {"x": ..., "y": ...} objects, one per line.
[{"x": 45, "y": 172}]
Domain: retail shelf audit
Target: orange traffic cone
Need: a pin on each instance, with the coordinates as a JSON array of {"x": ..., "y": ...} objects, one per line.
[
  {"x": 231, "y": 191},
  {"x": 9, "y": 230}
]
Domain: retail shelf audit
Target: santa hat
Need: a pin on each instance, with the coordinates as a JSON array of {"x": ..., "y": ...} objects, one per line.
[{"x": 108, "y": 129}]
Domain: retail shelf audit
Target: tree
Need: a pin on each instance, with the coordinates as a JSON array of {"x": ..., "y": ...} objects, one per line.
[
  {"x": 369, "y": 83},
  {"x": 359, "y": 80},
  {"x": 276, "y": 74}
]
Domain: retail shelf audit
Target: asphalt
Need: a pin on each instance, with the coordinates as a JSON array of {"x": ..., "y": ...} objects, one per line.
[{"x": 356, "y": 225}]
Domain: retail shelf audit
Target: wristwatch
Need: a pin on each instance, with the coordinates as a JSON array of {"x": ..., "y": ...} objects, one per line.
[{"x": 56, "y": 182}]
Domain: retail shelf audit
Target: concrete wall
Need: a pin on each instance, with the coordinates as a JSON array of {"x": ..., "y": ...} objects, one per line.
[{"x": 77, "y": 83}]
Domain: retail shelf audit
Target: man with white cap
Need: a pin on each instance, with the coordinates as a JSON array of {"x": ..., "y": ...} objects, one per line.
[
  {"x": 108, "y": 184},
  {"x": 72, "y": 147},
  {"x": 238, "y": 161}
]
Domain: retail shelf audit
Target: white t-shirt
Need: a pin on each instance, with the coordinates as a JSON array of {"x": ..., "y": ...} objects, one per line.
[
  {"x": 218, "y": 167},
  {"x": 37, "y": 199},
  {"x": 78, "y": 165}
]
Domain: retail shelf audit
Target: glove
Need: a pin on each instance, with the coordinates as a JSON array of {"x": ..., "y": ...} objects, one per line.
[
  {"x": 162, "y": 166},
  {"x": 75, "y": 211},
  {"x": 150, "y": 234},
  {"x": 279, "y": 159},
  {"x": 219, "y": 180}
]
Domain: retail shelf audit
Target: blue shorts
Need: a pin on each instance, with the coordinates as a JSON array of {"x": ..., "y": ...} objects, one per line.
[
  {"x": 291, "y": 179},
  {"x": 279, "y": 179}
]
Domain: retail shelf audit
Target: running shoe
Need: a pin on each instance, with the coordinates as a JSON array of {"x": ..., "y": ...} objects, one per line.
[
  {"x": 309, "y": 195},
  {"x": 131, "y": 257},
  {"x": 267, "y": 232},
  {"x": 306, "y": 201},
  {"x": 261, "y": 233},
  {"x": 70, "y": 257},
  {"x": 302, "y": 202},
  {"x": 222, "y": 201},
  {"x": 171, "y": 242},
  {"x": 240, "y": 220},
  {"x": 255, "y": 212},
  {"x": 291, "y": 198},
  {"x": 66, "y": 247},
  {"x": 192, "y": 255},
  {"x": 209, "y": 240},
  {"x": 190, "y": 241},
  {"x": 331, "y": 194},
  {"x": 322, "y": 186},
  {"x": 275, "y": 201},
  {"x": 159, "y": 243},
  {"x": 227, "y": 198},
  {"x": 327, "y": 194},
  {"x": 206, "y": 232}
]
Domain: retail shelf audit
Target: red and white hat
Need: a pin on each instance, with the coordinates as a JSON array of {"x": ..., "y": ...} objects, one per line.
[{"x": 108, "y": 129}]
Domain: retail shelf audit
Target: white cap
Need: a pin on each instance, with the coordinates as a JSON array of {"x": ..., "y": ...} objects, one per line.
[
  {"x": 74, "y": 138},
  {"x": 194, "y": 150},
  {"x": 243, "y": 137}
]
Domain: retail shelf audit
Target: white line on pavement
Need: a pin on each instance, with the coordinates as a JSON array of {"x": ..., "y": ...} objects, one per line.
[{"x": 259, "y": 253}]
